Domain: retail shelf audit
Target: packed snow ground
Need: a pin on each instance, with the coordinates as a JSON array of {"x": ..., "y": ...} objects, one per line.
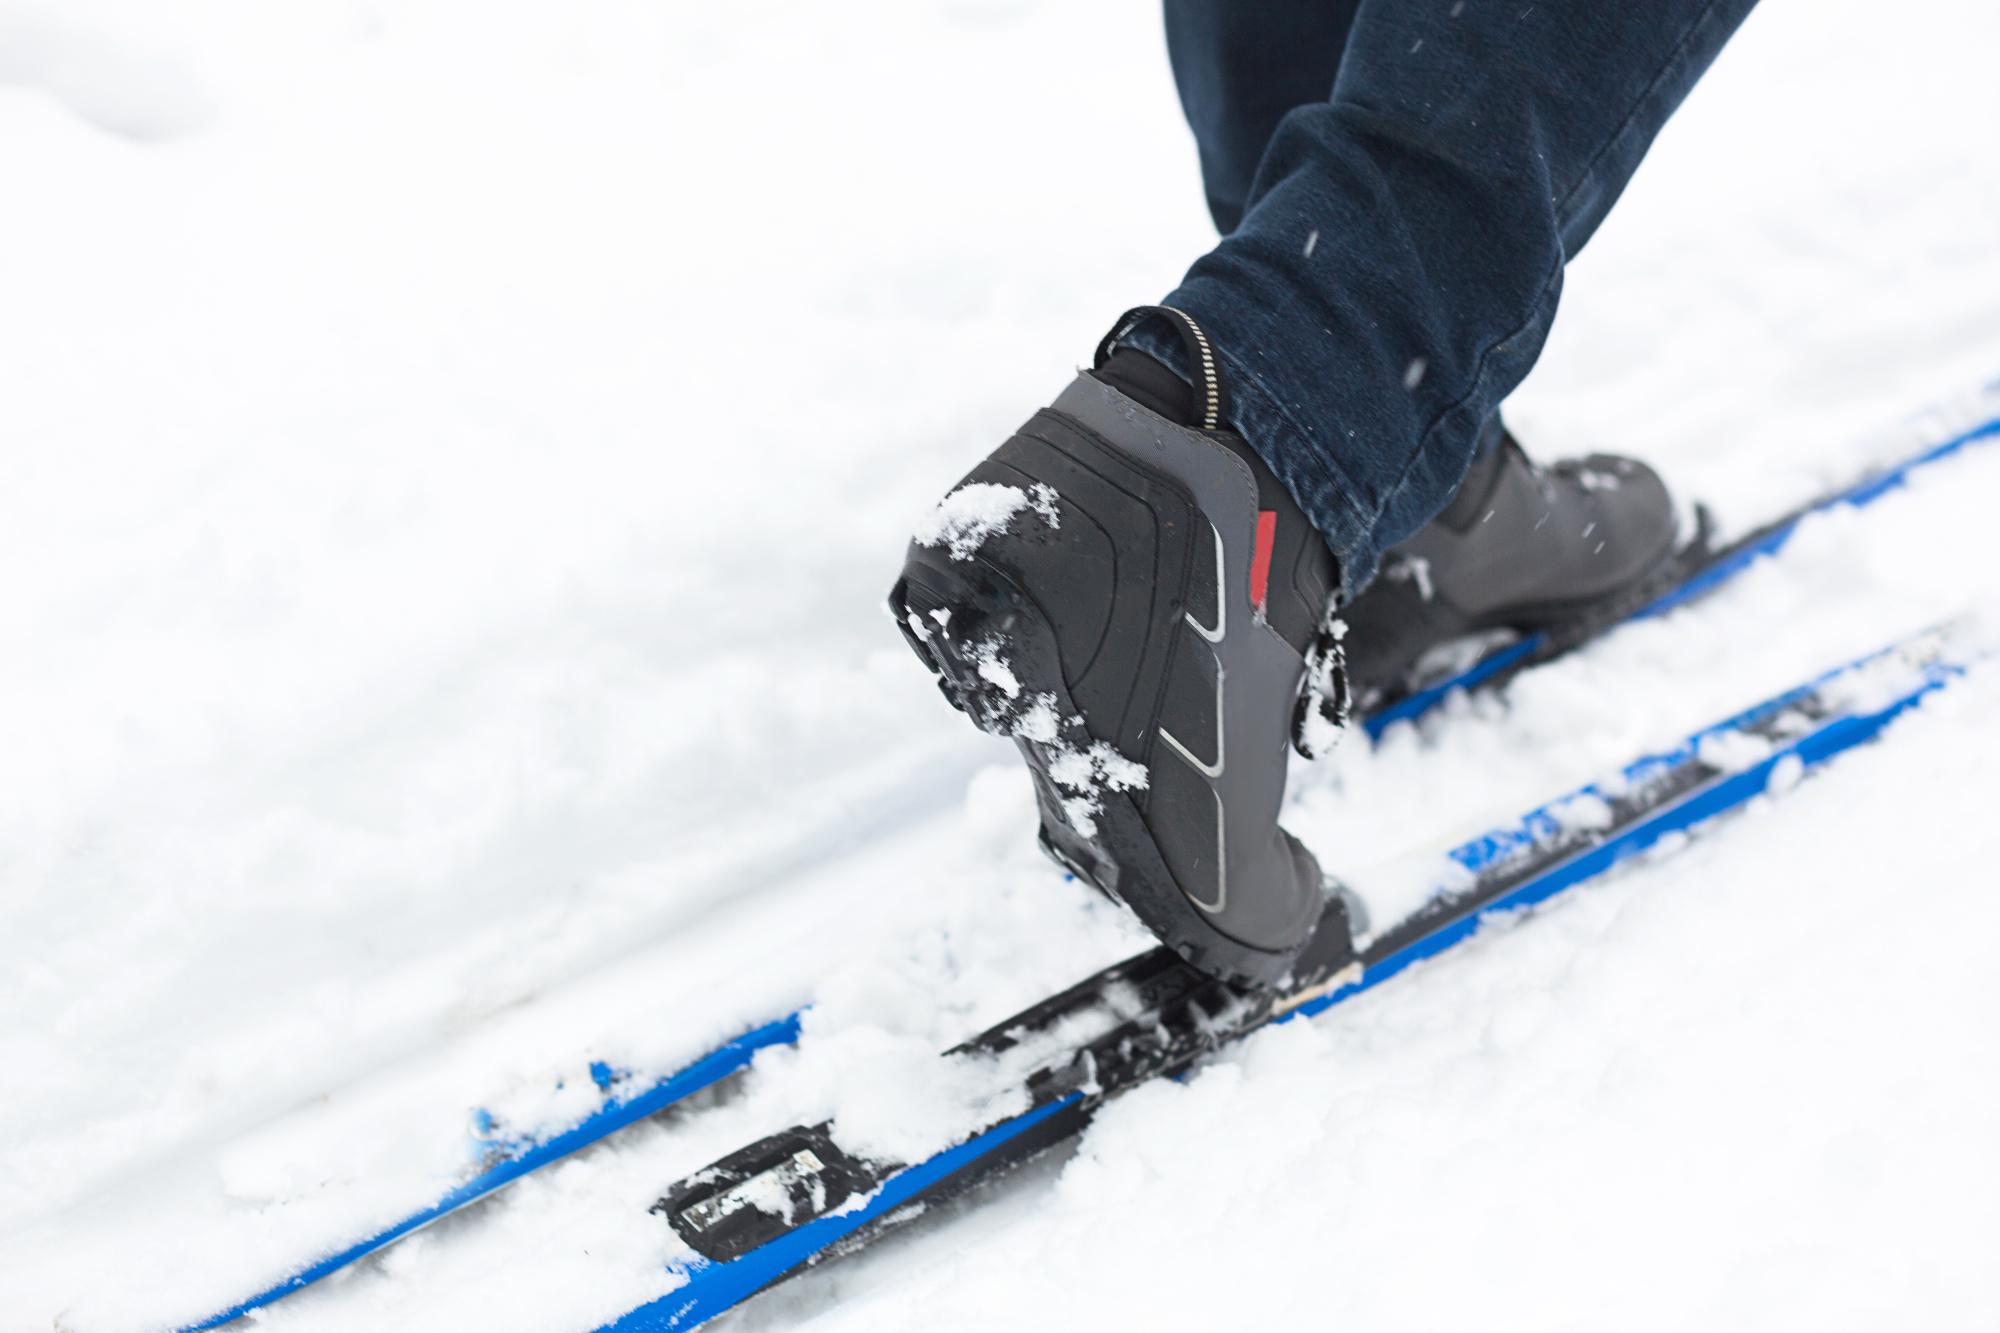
[{"x": 458, "y": 453}]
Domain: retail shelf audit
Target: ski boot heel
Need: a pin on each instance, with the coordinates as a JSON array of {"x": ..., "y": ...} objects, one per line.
[
  {"x": 998, "y": 661},
  {"x": 969, "y": 625},
  {"x": 1130, "y": 600}
]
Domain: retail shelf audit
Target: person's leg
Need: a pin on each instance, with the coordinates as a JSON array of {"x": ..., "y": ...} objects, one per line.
[
  {"x": 1138, "y": 594},
  {"x": 1398, "y": 266},
  {"x": 1241, "y": 65}
]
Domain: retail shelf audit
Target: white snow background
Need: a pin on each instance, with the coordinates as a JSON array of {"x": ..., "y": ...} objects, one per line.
[{"x": 455, "y": 453}]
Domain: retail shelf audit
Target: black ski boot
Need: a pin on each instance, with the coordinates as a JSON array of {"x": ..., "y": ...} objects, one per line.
[
  {"x": 1133, "y": 600},
  {"x": 1520, "y": 549}
]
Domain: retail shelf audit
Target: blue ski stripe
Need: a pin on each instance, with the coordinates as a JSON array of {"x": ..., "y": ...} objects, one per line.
[{"x": 607, "y": 1119}]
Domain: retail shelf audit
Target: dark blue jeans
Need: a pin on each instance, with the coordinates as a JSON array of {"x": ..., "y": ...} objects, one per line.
[{"x": 1400, "y": 183}]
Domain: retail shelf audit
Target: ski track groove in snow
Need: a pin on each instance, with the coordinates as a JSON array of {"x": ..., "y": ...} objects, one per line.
[{"x": 458, "y": 455}]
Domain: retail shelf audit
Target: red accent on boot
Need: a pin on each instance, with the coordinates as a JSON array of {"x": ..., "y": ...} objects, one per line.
[{"x": 1260, "y": 562}]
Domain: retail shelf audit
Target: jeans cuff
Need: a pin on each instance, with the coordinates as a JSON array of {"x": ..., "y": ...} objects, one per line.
[{"x": 1315, "y": 482}]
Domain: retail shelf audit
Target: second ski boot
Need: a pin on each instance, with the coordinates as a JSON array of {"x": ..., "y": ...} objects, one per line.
[
  {"x": 1133, "y": 601},
  {"x": 1519, "y": 550}
]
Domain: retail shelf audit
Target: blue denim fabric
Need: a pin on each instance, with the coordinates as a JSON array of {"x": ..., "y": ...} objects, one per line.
[{"x": 1401, "y": 243}]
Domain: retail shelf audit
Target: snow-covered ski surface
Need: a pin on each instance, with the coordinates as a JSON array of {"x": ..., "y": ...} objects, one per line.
[{"x": 459, "y": 451}]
